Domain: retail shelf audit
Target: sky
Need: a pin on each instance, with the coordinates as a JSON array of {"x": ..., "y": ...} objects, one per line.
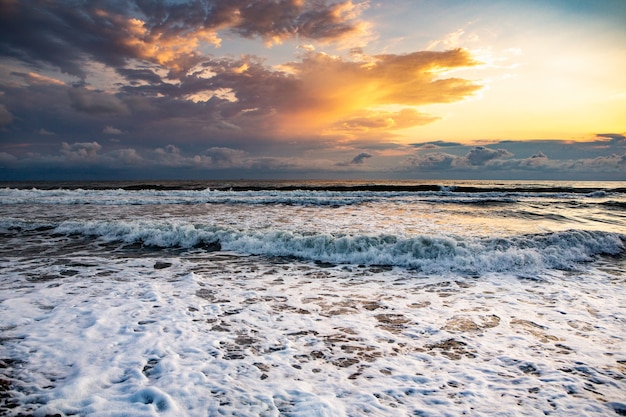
[{"x": 312, "y": 89}]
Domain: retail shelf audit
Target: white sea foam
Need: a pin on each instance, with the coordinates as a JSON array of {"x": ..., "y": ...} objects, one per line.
[
  {"x": 118, "y": 302},
  {"x": 216, "y": 334}
]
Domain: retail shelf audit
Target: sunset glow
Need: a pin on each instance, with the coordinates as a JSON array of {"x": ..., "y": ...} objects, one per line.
[{"x": 300, "y": 86}]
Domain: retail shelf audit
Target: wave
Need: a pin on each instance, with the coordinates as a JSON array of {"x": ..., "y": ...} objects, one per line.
[
  {"x": 616, "y": 205},
  {"x": 338, "y": 196},
  {"x": 427, "y": 253},
  {"x": 585, "y": 187},
  {"x": 206, "y": 196}
]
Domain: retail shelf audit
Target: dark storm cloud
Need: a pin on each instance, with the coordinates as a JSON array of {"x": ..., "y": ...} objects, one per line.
[
  {"x": 66, "y": 33},
  {"x": 62, "y": 34},
  {"x": 143, "y": 70},
  {"x": 275, "y": 21},
  {"x": 236, "y": 95}
]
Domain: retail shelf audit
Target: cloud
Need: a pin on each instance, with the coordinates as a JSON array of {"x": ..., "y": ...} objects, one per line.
[
  {"x": 221, "y": 157},
  {"x": 127, "y": 156},
  {"x": 83, "y": 152},
  {"x": 614, "y": 138},
  {"x": 153, "y": 71},
  {"x": 329, "y": 89},
  {"x": 45, "y": 132},
  {"x": 168, "y": 34},
  {"x": 427, "y": 146},
  {"x": 321, "y": 94},
  {"x": 134, "y": 76},
  {"x": 170, "y": 152},
  {"x": 584, "y": 160},
  {"x": 435, "y": 144},
  {"x": 334, "y": 22},
  {"x": 451, "y": 40},
  {"x": 536, "y": 160},
  {"x": 7, "y": 157},
  {"x": 95, "y": 103},
  {"x": 110, "y": 130},
  {"x": 158, "y": 80},
  {"x": 585, "y": 167},
  {"x": 32, "y": 78},
  {"x": 477, "y": 156},
  {"x": 65, "y": 35},
  {"x": 5, "y": 115},
  {"x": 381, "y": 120},
  {"x": 564, "y": 149},
  {"x": 430, "y": 162},
  {"x": 494, "y": 161},
  {"x": 276, "y": 21},
  {"x": 170, "y": 156},
  {"x": 357, "y": 160},
  {"x": 481, "y": 155}
]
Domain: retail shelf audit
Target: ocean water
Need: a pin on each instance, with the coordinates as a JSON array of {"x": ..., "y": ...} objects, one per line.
[{"x": 313, "y": 299}]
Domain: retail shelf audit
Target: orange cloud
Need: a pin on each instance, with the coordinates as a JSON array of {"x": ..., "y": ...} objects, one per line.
[
  {"x": 384, "y": 120},
  {"x": 171, "y": 50},
  {"x": 36, "y": 79},
  {"x": 345, "y": 95},
  {"x": 173, "y": 46}
]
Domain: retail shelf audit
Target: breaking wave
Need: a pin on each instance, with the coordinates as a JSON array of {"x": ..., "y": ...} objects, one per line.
[
  {"x": 428, "y": 253},
  {"x": 329, "y": 196}
]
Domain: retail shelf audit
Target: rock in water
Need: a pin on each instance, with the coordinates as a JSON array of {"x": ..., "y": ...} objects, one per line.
[{"x": 162, "y": 265}]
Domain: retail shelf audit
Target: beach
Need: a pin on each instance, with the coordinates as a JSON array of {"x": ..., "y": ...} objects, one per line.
[{"x": 313, "y": 299}]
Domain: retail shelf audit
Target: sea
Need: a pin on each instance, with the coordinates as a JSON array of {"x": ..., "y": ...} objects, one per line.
[{"x": 313, "y": 298}]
